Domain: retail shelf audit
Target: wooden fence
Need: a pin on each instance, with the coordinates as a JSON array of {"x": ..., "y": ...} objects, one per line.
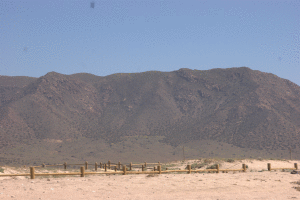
[
  {"x": 108, "y": 165},
  {"x": 125, "y": 170},
  {"x": 293, "y": 168}
]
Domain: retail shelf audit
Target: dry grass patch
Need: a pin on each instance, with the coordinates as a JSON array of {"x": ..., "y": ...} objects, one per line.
[
  {"x": 298, "y": 183},
  {"x": 151, "y": 175}
]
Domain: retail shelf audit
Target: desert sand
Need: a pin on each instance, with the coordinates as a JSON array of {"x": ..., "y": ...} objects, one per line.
[{"x": 255, "y": 183}]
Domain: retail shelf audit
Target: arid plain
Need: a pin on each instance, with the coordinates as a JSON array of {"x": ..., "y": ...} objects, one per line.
[{"x": 255, "y": 183}]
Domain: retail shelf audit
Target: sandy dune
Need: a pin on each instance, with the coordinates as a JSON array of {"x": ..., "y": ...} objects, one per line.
[{"x": 256, "y": 183}]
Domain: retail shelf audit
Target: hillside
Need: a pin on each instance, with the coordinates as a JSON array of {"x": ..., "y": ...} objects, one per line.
[{"x": 244, "y": 110}]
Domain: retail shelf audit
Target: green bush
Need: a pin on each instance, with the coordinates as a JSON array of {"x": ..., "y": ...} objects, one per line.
[{"x": 1, "y": 170}]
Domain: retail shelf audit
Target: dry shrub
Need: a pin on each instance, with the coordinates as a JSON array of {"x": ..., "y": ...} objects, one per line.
[
  {"x": 151, "y": 175},
  {"x": 297, "y": 188},
  {"x": 230, "y": 160},
  {"x": 298, "y": 183}
]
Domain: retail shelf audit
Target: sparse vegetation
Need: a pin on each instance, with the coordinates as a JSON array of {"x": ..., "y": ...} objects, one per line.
[
  {"x": 163, "y": 168},
  {"x": 262, "y": 170},
  {"x": 298, "y": 183},
  {"x": 197, "y": 165},
  {"x": 214, "y": 166},
  {"x": 151, "y": 175},
  {"x": 1, "y": 170},
  {"x": 207, "y": 160},
  {"x": 230, "y": 160}
]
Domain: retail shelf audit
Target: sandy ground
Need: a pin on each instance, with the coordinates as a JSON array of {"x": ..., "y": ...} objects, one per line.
[{"x": 256, "y": 183}]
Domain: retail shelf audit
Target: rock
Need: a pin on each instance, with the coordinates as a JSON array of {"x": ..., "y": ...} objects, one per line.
[{"x": 295, "y": 172}]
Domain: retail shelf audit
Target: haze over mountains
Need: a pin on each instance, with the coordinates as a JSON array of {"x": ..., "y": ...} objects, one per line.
[{"x": 235, "y": 112}]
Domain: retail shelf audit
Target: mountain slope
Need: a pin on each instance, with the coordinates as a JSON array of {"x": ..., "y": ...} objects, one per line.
[{"x": 238, "y": 106}]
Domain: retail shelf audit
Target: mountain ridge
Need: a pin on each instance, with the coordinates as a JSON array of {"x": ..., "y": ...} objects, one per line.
[{"x": 238, "y": 106}]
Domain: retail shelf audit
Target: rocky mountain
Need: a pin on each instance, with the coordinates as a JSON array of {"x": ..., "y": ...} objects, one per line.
[{"x": 236, "y": 106}]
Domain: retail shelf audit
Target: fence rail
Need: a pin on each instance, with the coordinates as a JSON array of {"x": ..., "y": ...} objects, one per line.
[
  {"x": 124, "y": 171},
  {"x": 156, "y": 170},
  {"x": 282, "y": 168},
  {"x": 107, "y": 165}
]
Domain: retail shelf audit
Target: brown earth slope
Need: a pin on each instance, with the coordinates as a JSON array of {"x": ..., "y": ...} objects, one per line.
[{"x": 246, "y": 109}]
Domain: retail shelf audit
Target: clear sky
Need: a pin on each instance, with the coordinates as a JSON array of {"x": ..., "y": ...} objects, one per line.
[{"x": 103, "y": 37}]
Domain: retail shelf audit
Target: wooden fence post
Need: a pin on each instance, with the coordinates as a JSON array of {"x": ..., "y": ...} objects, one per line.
[
  {"x": 153, "y": 168},
  {"x": 218, "y": 168},
  {"x": 142, "y": 168},
  {"x": 43, "y": 165},
  {"x": 32, "y": 175},
  {"x": 116, "y": 168},
  {"x": 244, "y": 167},
  {"x": 296, "y": 166},
  {"x": 82, "y": 171},
  {"x": 105, "y": 167},
  {"x": 108, "y": 164},
  {"x": 65, "y": 165},
  {"x": 119, "y": 165},
  {"x": 130, "y": 166},
  {"x": 269, "y": 166},
  {"x": 159, "y": 169},
  {"x": 189, "y": 168},
  {"x": 100, "y": 165},
  {"x": 145, "y": 164},
  {"x": 86, "y": 164},
  {"x": 96, "y": 166},
  {"x": 124, "y": 169}
]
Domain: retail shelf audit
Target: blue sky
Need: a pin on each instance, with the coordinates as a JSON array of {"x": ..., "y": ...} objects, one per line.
[{"x": 125, "y": 36}]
